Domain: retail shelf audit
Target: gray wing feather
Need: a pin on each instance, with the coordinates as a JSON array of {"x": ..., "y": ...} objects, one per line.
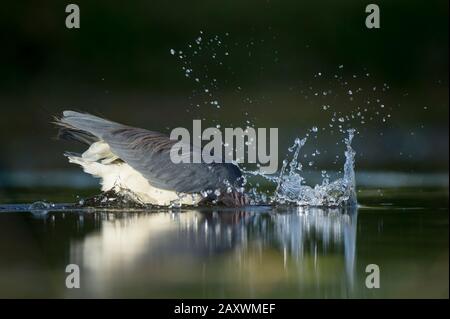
[{"x": 149, "y": 153}]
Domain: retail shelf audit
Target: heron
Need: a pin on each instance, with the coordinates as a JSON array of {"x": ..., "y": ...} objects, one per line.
[{"x": 136, "y": 160}]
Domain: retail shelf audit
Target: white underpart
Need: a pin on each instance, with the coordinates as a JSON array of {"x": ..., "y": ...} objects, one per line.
[{"x": 98, "y": 161}]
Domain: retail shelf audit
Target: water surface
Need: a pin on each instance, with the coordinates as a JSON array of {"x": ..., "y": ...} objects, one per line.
[{"x": 257, "y": 252}]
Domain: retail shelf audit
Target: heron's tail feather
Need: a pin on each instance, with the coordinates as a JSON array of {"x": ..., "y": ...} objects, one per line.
[
  {"x": 84, "y": 127},
  {"x": 69, "y": 133}
]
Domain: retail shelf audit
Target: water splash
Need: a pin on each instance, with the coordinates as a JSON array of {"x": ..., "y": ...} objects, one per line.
[
  {"x": 291, "y": 188},
  {"x": 115, "y": 198},
  {"x": 41, "y": 205}
]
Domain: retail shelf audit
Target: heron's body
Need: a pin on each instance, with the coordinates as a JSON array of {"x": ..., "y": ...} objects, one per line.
[
  {"x": 118, "y": 175},
  {"x": 137, "y": 160}
]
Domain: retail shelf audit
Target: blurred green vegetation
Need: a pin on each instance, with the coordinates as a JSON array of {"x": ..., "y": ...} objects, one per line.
[{"x": 119, "y": 65}]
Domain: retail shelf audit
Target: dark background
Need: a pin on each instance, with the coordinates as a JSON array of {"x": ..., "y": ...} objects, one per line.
[{"x": 118, "y": 64}]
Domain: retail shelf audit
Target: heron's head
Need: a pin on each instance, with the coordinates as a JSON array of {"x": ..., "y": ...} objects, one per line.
[{"x": 234, "y": 199}]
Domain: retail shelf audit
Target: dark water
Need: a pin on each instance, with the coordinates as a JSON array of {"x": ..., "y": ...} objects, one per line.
[{"x": 259, "y": 252}]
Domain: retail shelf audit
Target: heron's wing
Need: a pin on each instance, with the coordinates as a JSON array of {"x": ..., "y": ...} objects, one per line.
[{"x": 149, "y": 153}]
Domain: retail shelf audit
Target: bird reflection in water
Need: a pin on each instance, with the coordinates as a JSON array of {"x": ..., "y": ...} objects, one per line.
[{"x": 256, "y": 252}]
